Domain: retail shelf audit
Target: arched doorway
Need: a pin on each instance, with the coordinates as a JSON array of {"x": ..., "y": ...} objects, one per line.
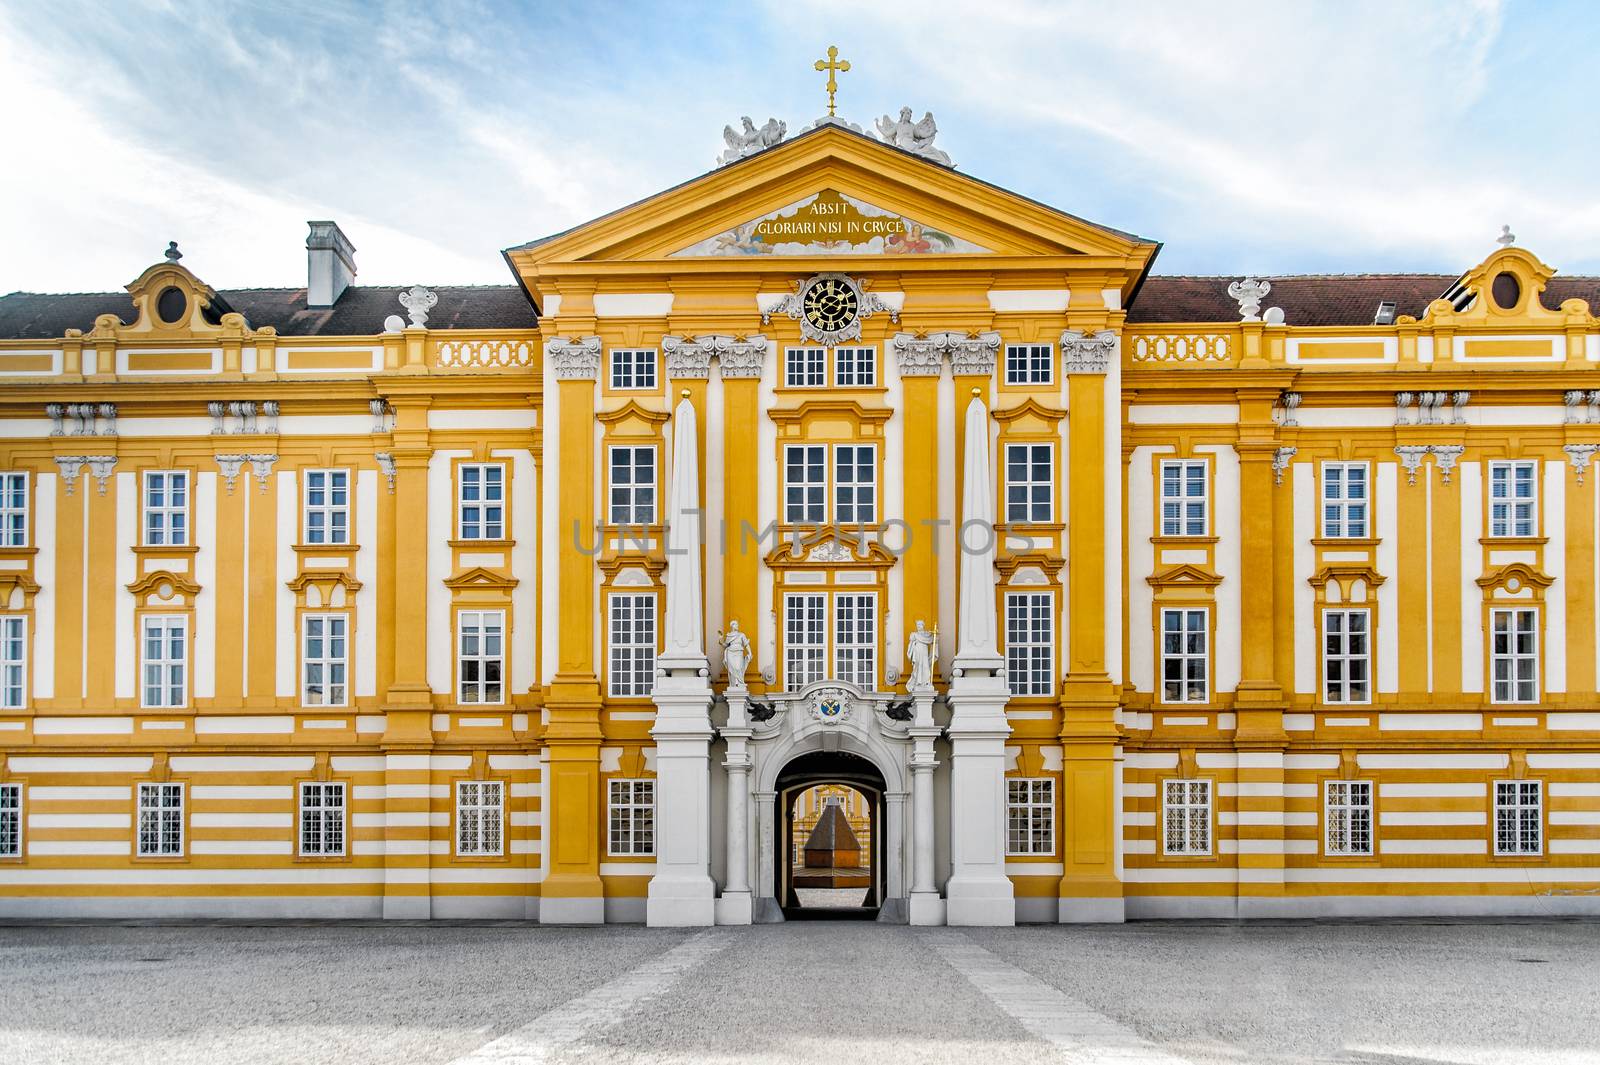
[{"x": 838, "y": 771}]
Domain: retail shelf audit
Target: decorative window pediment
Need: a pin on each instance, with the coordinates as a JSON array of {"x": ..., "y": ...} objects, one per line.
[
  {"x": 829, "y": 548},
  {"x": 1515, "y": 580},
  {"x": 478, "y": 578},
  {"x": 1030, "y": 418},
  {"x": 164, "y": 588},
  {"x": 1350, "y": 582},
  {"x": 632, "y": 419},
  {"x": 319, "y": 589},
  {"x": 1186, "y": 575}
]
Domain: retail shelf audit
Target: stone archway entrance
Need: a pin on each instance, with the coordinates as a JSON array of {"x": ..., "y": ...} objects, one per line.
[{"x": 790, "y": 876}]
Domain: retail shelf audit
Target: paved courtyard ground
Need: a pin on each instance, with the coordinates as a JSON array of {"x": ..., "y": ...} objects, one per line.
[{"x": 1402, "y": 993}]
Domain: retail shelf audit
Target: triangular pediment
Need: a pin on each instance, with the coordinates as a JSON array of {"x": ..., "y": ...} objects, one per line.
[{"x": 832, "y": 223}]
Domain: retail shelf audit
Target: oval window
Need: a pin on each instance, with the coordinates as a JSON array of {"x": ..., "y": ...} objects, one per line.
[
  {"x": 171, "y": 304},
  {"x": 1506, "y": 290}
]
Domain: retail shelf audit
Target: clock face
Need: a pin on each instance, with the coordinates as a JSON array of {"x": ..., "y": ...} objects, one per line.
[{"x": 830, "y": 305}]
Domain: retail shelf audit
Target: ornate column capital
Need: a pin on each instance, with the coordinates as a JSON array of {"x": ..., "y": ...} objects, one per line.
[
  {"x": 1087, "y": 354},
  {"x": 735, "y": 358},
  {"x": 574, "y": 360},
  {"x": 1445, "y": 456},
  {"x": 230, "y": 466},
  {"x": 1577, "y": 454},
  {"x": 1280, "y": 462},
  {"x": 917, "y": 356},
  {"x": 70, "y": 466},
  {"x": 1411, "y": 456},
  {"x": 970, "y": 355}
]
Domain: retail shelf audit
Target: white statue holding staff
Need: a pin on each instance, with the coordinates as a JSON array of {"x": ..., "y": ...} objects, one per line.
[
  {"x": 922, "y": 648},
  {"x": 735, "y": 655}
]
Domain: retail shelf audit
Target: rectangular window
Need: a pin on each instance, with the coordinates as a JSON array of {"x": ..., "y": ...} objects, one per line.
[
  {"x": 855, "y": 639},
  {"x": 855, "y": 484},
  {"x": 13, "y": 661},
  {"x": 855, "y": 367},
  {"x": 1183, "y": 498},
  {"x": 481, "y": 512},
  {"x": 1346, "y": 647},
  {"x": 1513, "y": 499},
  {"x": 10, "y": 820},
  {"x": 1183, "y": 656},
  {"x": 160, "y": 820},
  {"x": 1518, "y": 817},
  {"x": 480, "y": 660},
  {"x": 632, "y": 817},
  {"x": 13, "y": 510},
  {"x": 479, "y": 818},
  {"x": 633, "y": 368},
  {"x": 1344, "y": 499},
  {"x": 805, "y": 636},
  {"x": 805, "y": 367},
  {"x": 1030, "y": 483},
  {"x": 1029, "y": 364},
  {"x": 633, "y": 485},
  {"x": 1347, "y": 813},
  {"x": 327, "y": 506},
  {"x": 1030, "y": 643},
  {"x": 1514, "y": 655},
  {"x": 805, "y": 484},
  {"x": 1030, "y": 816},
  {"x": 1186, "y": 816},
  {"x": 165, "y": 660},
  {"x": 321, "y": 819},
  {"x": 633, "y": 644},
  {"x": 324, "y": 659},
  {"x": 166, "y": 508}
]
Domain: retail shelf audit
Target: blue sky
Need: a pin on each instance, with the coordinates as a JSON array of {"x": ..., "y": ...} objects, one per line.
[{"x": 1265, "y": 138}]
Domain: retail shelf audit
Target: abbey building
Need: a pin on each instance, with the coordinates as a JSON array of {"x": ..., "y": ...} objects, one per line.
[{"x": 1088, "y": 593}]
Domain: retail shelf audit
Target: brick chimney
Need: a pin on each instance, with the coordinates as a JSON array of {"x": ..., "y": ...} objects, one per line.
[{"x": 330, "y": 264}]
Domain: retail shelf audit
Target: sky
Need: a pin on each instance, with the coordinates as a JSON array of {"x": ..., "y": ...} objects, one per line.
[{"x": 1264, "y": 139}]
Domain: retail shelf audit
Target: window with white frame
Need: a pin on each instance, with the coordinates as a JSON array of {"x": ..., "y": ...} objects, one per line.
[
  {"x": 1345, "y": 499},
  {"x": 1183, "y": 498},
  {"x": 1346, "y": 656},
  {"x": 160, "y": 820},
  {"x": 481, "y": 504},
  {"x": 1513, "y": 499},
  {"x": 1514, "y": 654},
  {"x": 480, "y": 818},
  {"x": 633, "y": 367},
  {"x": 1186, "y": 816},
  {"x": 1184, "y": 656},
  {"x": 633, "y": 643},
  {"x": 1030, "y": 815},
  {"x": 1347, "y": 816},
  {"x": 1030, "y": 643},
  {"x": 805, "y": 367},
  {"x": 327, "y": 507},
  {"x": 164, "y": 660},
  {"x": 805, "y": 638},
  {"x": 855, "y": 367},
  {"x": 324, "y": 659},
  {"x": 855, "y": 484},
  {"x": 13, "y": 510},
  {"x": 166, "y": 508},
  {"x": 1030, "y": 483},
  {"x": 10, "y": 820},
  {"x": 855, "y": 639},
  {"x": 632, "y": 817},
  {"x": 1030, "y": 364},
  {"x": 633, "y": 485},
  {"x": 13, "y": 661},
  {"x": 805, "y": 484},
  {"x": 480, "y": 656},
  {"x": 1518, "y": 817},
  {"x": 322, "y": 807}
]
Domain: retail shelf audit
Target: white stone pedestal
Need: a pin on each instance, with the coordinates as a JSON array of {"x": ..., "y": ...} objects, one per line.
[
  {"x": 682, "y": 893},
  {"x": 978, "y": 892}
]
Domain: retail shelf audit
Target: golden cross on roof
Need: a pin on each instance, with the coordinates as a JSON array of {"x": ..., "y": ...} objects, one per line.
[{"x": 833, "y": 65}]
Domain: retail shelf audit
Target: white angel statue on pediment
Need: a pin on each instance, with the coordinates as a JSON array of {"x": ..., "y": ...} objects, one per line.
[
  {"x": 750, "y": 140},
  {"x": 914, "y": 137}
]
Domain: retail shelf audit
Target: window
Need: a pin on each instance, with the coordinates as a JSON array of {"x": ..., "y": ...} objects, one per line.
[
  {"x": 1183, "y": 656},
  {"x": 633, "y": 368},
  {"x": 1030, "y": 816},
  {"x": 855, "y": 639},
  {"x": 1347, "y": 813},
  {"x": 633, "y": 644},
  {"x": 805, "y": 367},
  {"x": 1514, "y": 655},
  {"x": 855, "y": 367},
  {"x": 1518, "y": 817},
  {"x": 166, "y": 508},
  {"x": 13, "y": 510},
  {"x": 165, "y": 648},
  {"x": 1344, "y": 499},
  {"x": 479, "y": 662},
  {"x": 633, "y": 485},
  {"x": 13, "y": 661},
  {"x": 478, "y": 817},
  {"x": 804, "y": 638},
  {"x": 1183, "y": 498},
  {"x": 1346, "y": 666},
  {"x": 1513, "y": 499},
  {"x": 327, "y": 506},
  {"x": 160, "y": 820},
  {"x": 323, "y": 660},
  {"x": 10, "y": 820},
  {"x": 1030, "y": 482},
  {"x": 855, "y": 475},
  {"x": 1186, "y": 816},
  {"x": 482, "y": 510},
  {"x": 321, "y": 819},
  {"x": 633, "y": 817},
  {"x": 1028, "y": 364},
  {"x": 1030, "y": 643},
  {"x": 805, "y": 484}
]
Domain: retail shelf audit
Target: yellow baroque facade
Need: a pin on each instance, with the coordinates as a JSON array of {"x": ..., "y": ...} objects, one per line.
[{"x": 1113, "y": 594}]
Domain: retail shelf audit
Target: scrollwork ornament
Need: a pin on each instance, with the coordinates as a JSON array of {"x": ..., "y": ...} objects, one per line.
[{"x": 574, "y": 360}]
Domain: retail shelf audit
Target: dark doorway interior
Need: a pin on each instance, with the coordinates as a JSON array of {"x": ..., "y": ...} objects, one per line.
[{"x": 793, "y": 874}]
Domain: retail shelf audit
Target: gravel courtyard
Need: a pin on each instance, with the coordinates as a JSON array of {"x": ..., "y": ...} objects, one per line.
[{"x": 1402, "y": 993}]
